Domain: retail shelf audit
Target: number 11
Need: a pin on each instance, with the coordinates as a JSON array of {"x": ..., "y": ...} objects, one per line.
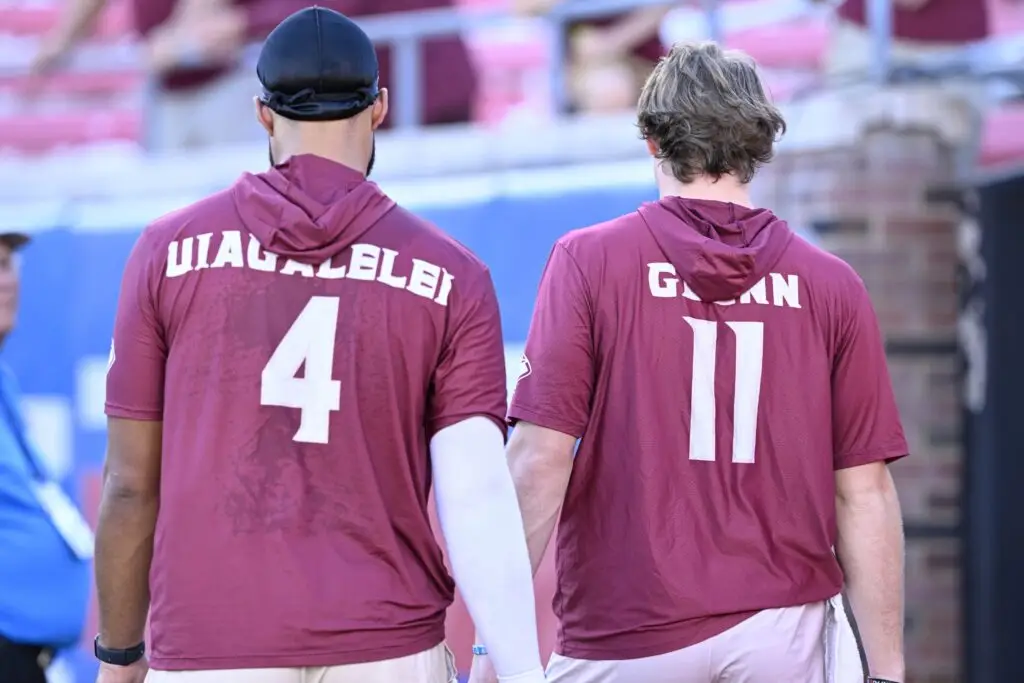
[{"x": 749, "y": 357}]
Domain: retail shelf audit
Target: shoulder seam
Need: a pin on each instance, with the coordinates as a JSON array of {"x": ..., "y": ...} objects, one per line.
[{"x": 560, "y": 244}]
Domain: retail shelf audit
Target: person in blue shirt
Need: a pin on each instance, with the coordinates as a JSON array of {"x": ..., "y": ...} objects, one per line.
[{"x": 45, "y": 545}]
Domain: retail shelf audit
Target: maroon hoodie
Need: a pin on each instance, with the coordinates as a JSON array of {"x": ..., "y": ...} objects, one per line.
[
  {"x": 719, "y": 249},
  {"x": 308, "y": 208},
  {"x": 302, "y": 338},
  {"x": 718, "y": 370}
]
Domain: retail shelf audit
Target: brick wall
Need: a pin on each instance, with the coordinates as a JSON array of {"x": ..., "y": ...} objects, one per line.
[{"x": 860, "y": 178}]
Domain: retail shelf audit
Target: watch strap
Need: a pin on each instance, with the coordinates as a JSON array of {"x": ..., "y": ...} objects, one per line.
[{"x": 118, "y": 657}]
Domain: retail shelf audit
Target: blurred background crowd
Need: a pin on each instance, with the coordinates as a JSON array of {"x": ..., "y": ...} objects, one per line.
[
  {"x": 511, "y": 124},
  {"x": 173, "y": 74}
]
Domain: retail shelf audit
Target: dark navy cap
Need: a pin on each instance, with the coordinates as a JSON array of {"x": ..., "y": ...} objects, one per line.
[
  {"x": 318, "y": 65},
  {"x": 14, "y": 239}
]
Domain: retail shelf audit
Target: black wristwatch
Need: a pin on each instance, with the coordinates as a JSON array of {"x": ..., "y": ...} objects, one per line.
[{"x": 118, "y": 657}]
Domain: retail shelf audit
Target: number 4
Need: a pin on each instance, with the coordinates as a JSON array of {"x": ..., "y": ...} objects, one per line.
[
  {"x": 309, "y": 341},
  {"x": 749, "y": 357}
]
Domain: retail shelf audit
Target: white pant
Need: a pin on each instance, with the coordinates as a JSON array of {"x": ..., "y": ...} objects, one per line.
[
  {"x": 218, "y": 113},
  {"x": 806, "y": 644},
  {"x": 432, "y": 666}
]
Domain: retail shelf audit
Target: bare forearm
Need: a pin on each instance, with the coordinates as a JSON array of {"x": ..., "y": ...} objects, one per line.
[
  {"x": 78, "y": 19},
  {"x": 124, "y": 552},
  {"x": 870, "y": 549},
  {"x": 540, "y": 491}
]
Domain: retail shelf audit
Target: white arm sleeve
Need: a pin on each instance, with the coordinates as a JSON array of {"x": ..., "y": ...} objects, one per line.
[{"x": 483, "y": 527}]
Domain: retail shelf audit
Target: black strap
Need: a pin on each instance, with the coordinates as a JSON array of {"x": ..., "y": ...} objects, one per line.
[{"x": 118, "y": 657}]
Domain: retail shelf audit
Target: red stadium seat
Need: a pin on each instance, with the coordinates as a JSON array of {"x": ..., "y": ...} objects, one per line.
[
  {"x": 1007, "y": 16},
  {"x": 28, "y": 20},
  {"x": 35, "y": 134},
  {"x": 1003, "y": 137},
  {"x": 507, "y": 70},
  {"x": 98, "y": 83},
  {"x": 793, "y": 45}
]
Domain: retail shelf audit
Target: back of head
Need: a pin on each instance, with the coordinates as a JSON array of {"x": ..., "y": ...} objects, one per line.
[
  {"x": 321, "y": 104},
  {"x": 707, "y": 113},
  {"x": 321, "y": 89},
  {"x": 318, "y": 65}
]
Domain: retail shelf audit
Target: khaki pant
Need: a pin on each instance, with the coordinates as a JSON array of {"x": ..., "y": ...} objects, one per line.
[
  {"x": 433, "y": 666},
  {"x": 807, "y": 644},
  {"x": 218, "y": 113}
]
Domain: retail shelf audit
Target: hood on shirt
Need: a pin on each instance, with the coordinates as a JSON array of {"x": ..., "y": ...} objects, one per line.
[
  {"x": 719, "y": 249},
  {"x": 309, "y": 208}
]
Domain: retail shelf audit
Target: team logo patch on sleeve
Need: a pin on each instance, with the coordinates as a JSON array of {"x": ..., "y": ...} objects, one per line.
[
  {"x": 112, "y": 357},
  {"x": 524, "y": 369}
]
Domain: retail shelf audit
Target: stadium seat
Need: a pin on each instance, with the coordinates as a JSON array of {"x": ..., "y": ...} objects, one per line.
[
  {"x": 34, "y": 134},
  {"x": 1007, "y": 16},
  {"x": 513, "y": 62},
  {"x": 799, "y": 44},
  {"x": 91, "y": 83},
  {"x": 88, "y": 103},
  {"x": 36, "y": 19},
  {"x": 1002, "y": 139},
  {"x": 512, "y": 72}
]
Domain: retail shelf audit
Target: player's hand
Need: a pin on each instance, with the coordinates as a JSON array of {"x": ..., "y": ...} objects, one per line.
[
  {"x": 482, "y": 671},
  {"x": 214, "y": 36},
  {"x": 532, "y": 7},
  {"x": 594, "y": 46},
  {"x": 50, "y": 55},
  {"x": 133, "y": 673}
]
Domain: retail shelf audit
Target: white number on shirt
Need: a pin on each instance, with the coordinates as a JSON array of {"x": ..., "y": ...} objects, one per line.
[
  {"x": 749, "y": 356},
  {"x": 309, "y": 341}
]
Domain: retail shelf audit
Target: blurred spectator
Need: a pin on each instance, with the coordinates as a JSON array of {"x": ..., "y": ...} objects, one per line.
[
  {"x": 203, "y": 92},
  {"x": 46, "y": 545},
  {"x": 449, "y": 78},
  {"x": 920, "y": 28},
  {"x": 609, "y": 58}
]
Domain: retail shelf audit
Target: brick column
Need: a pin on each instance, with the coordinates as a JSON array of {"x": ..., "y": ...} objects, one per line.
[{"x": 856, "y": 169}]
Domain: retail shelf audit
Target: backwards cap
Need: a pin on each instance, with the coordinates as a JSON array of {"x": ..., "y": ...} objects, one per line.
[{"x": 318, "y": 65}]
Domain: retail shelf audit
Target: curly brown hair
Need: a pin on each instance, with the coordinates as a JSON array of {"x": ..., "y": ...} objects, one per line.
[{"x": 707, "y": 113}]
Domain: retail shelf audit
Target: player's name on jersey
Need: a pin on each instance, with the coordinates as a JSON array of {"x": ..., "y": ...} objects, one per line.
[
  {"x": 775, "y": 289},
  {"x": 366, "y": 262}
]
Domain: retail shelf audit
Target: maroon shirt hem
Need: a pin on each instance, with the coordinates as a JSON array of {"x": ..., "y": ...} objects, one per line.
[
  {"x": 519, "y": 413},
  {"x": 647, "y": 643},
  {"x": 888, "y": 454},
  {"x": 132, "y": 413},
  {"x": 448, "y": 420},
  {"x": 625, "y": 647},
  {"x": 303, "y": 659}
]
